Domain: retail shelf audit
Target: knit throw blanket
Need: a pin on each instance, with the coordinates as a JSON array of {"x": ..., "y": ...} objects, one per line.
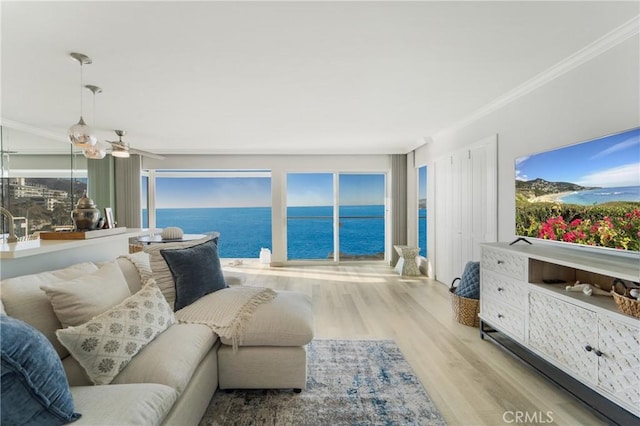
[{"x": 226, "y": 311}]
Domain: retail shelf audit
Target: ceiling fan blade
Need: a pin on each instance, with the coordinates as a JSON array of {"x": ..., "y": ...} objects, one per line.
[
  {"x": 146, "y": 154},
  {"x": 122, "y": 146},
  {"x": 116, "y": 144}
]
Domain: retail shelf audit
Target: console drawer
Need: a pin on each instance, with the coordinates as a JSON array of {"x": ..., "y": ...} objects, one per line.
[
  {"x": 503, "y": 262},
  {"x": 503, "y": 289},
  {"x": 503, "y": 318}
]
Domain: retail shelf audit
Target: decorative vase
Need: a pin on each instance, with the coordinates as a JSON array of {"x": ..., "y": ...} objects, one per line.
[{"x": 85, "y": 215}]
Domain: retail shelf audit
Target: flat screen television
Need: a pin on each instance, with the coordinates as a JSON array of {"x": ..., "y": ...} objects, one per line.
[{"x": 586, "y": 194}]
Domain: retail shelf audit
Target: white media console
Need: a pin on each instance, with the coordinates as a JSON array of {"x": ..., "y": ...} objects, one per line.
[{"x": 583, "y": 337}]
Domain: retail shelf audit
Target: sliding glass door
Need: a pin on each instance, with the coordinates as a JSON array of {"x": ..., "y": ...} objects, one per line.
[
  {"x": 361, "y": 219},
  {"x": 235, "y": 203},
  {"x": 335, "y": 217},
  {"x": 310, "y": 216}
]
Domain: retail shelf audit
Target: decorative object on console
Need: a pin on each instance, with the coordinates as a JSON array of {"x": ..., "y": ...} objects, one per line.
[
  {"x": 587, "y": 289},
  {"x": 171, "y": 233},
  {"x": 12, "y": 238},
  {"x": 109, "y": 222},
  {"x": 81, "y": 135},
  {"x": 35, "y": 389},
  {"x": 85, "y": 215},
  {"x": 623, "y": 300}
]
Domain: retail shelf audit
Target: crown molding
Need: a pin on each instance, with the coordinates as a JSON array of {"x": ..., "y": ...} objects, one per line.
[
  {"x": 34, "y": 130},
  {"x": 591, "y": 51}
]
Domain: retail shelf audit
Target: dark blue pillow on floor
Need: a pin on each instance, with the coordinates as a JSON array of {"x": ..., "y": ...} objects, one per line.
[
  {"x": 35, "y": 390},
  {"x": 196, "y": 271},
  {"x": 469, "y": 285}
]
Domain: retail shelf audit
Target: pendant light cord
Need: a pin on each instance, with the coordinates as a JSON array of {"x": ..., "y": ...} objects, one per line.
[
  {"x": 81, "y": 87},
  {"x": 94, "y": 107}
]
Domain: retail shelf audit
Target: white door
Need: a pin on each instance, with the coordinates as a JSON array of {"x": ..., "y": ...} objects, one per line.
[{"x": 465, "y": 206}]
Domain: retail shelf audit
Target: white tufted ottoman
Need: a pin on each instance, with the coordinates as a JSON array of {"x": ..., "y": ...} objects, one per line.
[{"x": 272, "y": 354}]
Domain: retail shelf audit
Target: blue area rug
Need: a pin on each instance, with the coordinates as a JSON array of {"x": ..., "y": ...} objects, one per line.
[{"x": 350, "y": 382}]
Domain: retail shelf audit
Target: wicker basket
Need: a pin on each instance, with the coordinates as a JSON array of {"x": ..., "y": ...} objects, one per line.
[
  {"x": 465, "y": 310},
  {"x": 625, "y": 303}
]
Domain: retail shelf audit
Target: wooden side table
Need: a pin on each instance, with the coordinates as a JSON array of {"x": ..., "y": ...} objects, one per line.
[{"x": 407, "y": 264}]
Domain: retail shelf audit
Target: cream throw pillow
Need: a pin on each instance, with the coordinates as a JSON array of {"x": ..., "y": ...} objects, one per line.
[
  {"x": 160, "y": 269},
  {"x": 106, "y": 344},
  {"x": 77, "y": 301}
]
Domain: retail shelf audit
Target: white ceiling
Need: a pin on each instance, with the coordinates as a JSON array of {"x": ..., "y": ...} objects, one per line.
[{"x": 273, "y": 78}]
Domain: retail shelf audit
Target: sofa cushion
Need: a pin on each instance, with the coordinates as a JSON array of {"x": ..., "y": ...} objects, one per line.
[
  {"x": 196, "y": 272},
  {"x": 160, "y": 269},
  {"x": 23, "y": 299},
  {"x": 106, "y": 344},
  {"x": 285, "y": 321},
  {"x": 139, "y": 404},
  {"x": 136, "y": 269},
  {"x": 171, "y": 358},
  {"x": 34, "y": 387},
  {"x": 77, "y": 301},
  {"x": 76, "y": 375}
]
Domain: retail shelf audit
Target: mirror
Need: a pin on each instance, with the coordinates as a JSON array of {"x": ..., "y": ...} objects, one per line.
[{"x": 41, "y": 180}]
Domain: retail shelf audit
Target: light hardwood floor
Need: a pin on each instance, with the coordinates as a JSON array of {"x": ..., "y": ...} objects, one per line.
[{"x": 472, "y": 381}]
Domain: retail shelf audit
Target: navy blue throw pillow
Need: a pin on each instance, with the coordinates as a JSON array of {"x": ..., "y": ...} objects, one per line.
[
  {"x": 469, "y": 285},
  {"x": 35, "y": 390},
  {"x": 196, "y": 272}
]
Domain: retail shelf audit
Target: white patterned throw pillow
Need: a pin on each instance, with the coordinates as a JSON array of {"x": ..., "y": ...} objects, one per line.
[{"x": 106, "y": 344}]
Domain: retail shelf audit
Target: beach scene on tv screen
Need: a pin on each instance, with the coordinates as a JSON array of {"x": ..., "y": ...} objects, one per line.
[{"x": 587, "y": 193}]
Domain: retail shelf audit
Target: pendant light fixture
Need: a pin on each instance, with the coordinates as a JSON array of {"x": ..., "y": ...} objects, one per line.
[
  {"x": 98, "y": 151},
  {"x": 81, "y": 135}
]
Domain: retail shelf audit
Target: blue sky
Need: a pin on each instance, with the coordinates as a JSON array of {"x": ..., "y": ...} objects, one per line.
[
  {"x": 213, "y": 192},
  {"x": 611, "y": 161},
  {"x": 302, "y": 190},
  {"x": 311, "y": 189}
]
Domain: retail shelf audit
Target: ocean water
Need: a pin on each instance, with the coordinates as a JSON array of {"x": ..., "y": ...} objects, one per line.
[
  {"x": 245, "y": 230},
  {"x": 603, "y": 195}
]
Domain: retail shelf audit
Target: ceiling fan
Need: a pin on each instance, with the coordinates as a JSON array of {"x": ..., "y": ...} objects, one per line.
[{"x": 121, "y": 149}]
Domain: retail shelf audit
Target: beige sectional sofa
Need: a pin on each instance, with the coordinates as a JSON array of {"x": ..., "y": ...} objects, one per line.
[{"x": 172, "y": 379}]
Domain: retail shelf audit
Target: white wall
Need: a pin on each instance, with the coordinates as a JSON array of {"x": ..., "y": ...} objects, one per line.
[{"x": 600, "y": 97}]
